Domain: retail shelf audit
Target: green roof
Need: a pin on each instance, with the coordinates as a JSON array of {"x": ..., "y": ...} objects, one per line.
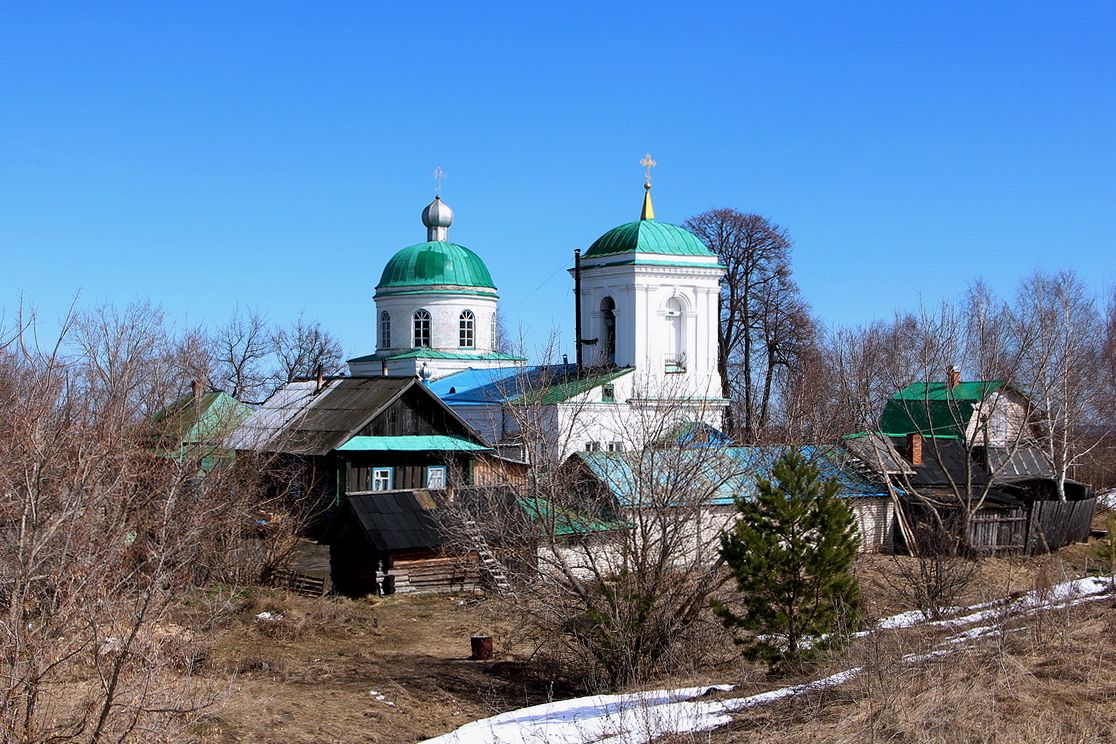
[
  {"x": 934, "y": 408},
  {"x": 425, "y": 353},
  {"x": 435, "y": 263},
  {"x": 648, "y": 236},
  {"x": 563, "y": 521},
  {"x": 412, "y": 443},
  {"x": 205, "y": 420},
  {"x": 560, "y": 392}
]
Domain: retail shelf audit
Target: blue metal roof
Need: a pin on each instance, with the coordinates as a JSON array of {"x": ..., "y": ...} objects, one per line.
[
  {"x": 716, "y": 476},
  {"x": 544, "y": 384}
]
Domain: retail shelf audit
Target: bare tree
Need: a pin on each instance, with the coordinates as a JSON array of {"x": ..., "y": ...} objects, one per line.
[
  {"x": 241, "y": 348},
  {"x": 303, "y": 349},
  {"x": 1063, "y": 367},
  {"x": 611, "y": 556},
  {"x": 763, "y": 320},
  {"x": 102, "y": 531}
]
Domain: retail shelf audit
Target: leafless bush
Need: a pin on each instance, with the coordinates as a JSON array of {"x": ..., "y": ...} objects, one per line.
[
  {"x": 937, "y": 577},
  {"x": 100, "y": 532}
]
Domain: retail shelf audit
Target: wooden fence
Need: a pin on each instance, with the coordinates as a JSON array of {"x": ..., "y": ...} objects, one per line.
[
  {"x": 1055, "y": 524},
  {"x": 998, "y": 530}
]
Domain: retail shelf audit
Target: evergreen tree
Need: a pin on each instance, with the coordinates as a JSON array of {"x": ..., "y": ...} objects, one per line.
[{"x": 791, "y": 551}]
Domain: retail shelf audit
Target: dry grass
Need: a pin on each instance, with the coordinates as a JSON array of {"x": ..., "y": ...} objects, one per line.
[
  {"x": 1049, "y": 677},
  {"x": 310, "y": 676}
]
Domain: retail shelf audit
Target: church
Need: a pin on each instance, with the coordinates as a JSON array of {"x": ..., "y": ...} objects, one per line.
[{"x": 646, "y": 306}]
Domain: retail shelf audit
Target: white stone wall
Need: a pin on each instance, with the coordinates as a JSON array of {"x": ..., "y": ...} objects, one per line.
[
  {"x": 445, "y": 312},
  {"x": 875, "y": 519},
  {"x": 646, "y": 329}
]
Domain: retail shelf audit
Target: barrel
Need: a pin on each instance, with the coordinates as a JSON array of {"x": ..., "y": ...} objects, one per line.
[{"x": 482, "y": 647}]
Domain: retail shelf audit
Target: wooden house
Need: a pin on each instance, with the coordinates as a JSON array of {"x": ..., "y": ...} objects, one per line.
[
  {"x": 191, "y": 429},
  {"x": 382, "y": 451}
]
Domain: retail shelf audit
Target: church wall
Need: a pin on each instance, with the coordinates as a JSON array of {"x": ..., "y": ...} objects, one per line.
[
  {"x": 648, "y": 325},
  {"x": 445, "y": 312}
]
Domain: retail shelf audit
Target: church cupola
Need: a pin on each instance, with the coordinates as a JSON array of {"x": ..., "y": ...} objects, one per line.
[{"x": 437, "y": 216}]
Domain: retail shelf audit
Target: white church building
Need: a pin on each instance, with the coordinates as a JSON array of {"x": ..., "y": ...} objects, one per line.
[{"x": 646, "y": 294}]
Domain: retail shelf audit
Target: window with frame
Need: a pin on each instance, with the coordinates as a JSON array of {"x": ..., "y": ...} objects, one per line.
[
  {"x": 421, "y": 329},
  {"x": 436, "y": 477},
  {"x": 615, "y": 447},
  {"x": 608, "y": 393},
  {"x": 385, "y": 330},
  {"x": 608, "y": 331},
  {"x": 466, "y": 336},
  {"x": 592, "y": 446},
  {"x": 382, "y": 479}
]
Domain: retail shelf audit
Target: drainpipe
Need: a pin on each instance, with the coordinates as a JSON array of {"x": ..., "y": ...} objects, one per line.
[{"x": 577, "y": 307}]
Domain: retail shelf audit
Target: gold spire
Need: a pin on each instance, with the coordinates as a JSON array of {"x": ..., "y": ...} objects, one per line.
[{"x": 648, "y": 212}]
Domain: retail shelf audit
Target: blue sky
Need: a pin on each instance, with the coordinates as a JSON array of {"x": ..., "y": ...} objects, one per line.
[{"x": 274, "y": 155}]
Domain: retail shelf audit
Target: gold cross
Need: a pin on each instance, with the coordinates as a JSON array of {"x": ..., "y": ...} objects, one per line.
[
  {"x": 648, "y": 164},
  {"x": 439, "y": 176}
]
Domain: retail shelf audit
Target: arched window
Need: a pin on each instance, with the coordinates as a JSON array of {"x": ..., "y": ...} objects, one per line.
[
  {"x": 466, "y": 329},
  {"x": 385, "y": 330},
  {"x": 608, "y": 331},
  {"x": 675, "y": 347},
  {"x": 422, "y": 329}
]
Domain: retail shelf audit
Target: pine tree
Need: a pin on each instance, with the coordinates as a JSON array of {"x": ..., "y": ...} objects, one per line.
[{"x": 791, "y": 551}]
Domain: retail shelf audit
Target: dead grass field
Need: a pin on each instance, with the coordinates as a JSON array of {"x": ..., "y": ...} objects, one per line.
[{"x": 317, "y": 675}]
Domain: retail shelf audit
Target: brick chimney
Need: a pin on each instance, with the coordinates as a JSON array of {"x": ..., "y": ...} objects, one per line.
[
  {"x": 914, "y": 448},
  {"x": 195, "y": 389},
  {"x": 953, "y": 377}
]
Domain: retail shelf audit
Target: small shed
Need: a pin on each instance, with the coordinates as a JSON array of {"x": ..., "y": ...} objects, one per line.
[{"x": 382, "y": 543}]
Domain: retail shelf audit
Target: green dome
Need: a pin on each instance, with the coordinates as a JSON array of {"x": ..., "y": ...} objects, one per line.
[
  {"x": 435, "y": 262},
  {"x": 648, "y": 236}
]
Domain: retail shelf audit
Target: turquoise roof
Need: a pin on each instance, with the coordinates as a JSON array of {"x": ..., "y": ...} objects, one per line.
[
  {"x": 648, "y": 236},
  {"x": 412, "y": 443},
  {"x": 426, "y": 353},
  {"x": 433, "y": 263}
]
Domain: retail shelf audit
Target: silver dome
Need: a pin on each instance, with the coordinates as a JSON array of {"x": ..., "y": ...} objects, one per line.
[{"x": 437, "y": 214}]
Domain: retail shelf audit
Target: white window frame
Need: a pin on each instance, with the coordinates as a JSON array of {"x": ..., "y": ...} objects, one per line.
[
  {"x": 420, "y": 329},
  {"x": 383, "y": 479},
  {"x": 442, "y": 471},
  {"x": 467, "y": 329},
  {"x": 385, "y": 330}
]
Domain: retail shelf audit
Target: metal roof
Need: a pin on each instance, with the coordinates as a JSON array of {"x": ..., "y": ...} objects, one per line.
[
  {"x": 539, "y": 385},
  {"x": 301, "y": 419},
  {"x": 710, "y": 475},
  {"x": 435, "y": 263},
  {"x": 416, "y": 443},
  {"x": 1024, "y": 462},
  {"x": 426, "y": 353},
  {"x": 648, "y": 236},
  {"x": 935, "y": 408}
]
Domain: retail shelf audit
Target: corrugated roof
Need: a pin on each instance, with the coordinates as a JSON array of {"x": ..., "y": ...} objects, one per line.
[
  {"x": 715, "y": 476},
  {"x": 1024, "y": 462},
  {"x": 397, "y": 520},
  {"x": 302, "y": 420},
  {"x": 417, "y": 443}
]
